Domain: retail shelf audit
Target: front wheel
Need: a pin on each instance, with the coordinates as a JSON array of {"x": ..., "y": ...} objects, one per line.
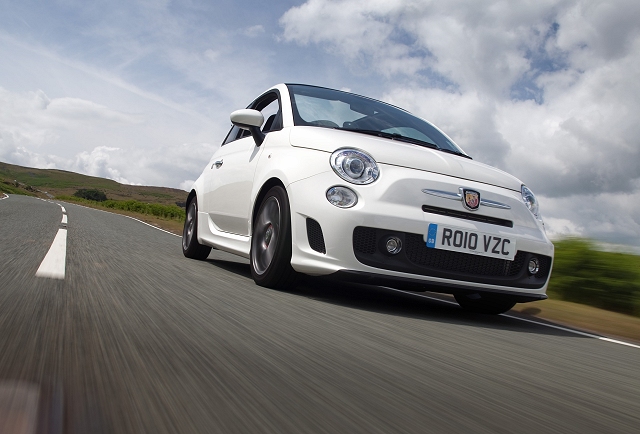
[
  {"x": 191, "y": 248},
  {"x": 484, "y": 303},
  {"x": 271, "y": 242}
]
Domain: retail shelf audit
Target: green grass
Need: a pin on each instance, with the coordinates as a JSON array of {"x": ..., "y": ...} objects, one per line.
[
  {"x": 52, "y": 178},
  {"x": 169, "y": 212},
  {"x": 10, "y": 189},
  {"x": 60, "y": 182},
  {"x": 607, "y": 280},
  {"x": 154, "y": 194}
]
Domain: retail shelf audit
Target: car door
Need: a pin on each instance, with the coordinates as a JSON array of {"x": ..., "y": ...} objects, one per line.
[{"x": 232, "y": 169}]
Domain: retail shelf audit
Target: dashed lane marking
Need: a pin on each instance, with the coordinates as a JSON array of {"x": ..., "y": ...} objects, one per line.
[{"x": 53, "y": 265}]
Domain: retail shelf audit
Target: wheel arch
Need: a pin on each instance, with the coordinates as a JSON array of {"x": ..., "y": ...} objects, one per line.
[
  {"x": 269, "y": 183},
  {"x": 191, "y": 195}
]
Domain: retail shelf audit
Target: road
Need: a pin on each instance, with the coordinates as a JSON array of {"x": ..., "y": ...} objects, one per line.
[{"x": 138, "y": 339}]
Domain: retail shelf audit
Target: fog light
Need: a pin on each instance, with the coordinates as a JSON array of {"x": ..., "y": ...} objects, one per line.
[
  {"x": 394, "y": 245},
  {"x": 534, "y": 265},
  {"x": 342, "y": 197}
]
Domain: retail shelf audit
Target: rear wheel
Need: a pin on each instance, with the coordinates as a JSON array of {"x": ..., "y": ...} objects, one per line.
[
  {"x": 484, "y": 303},
  {"x": 190, "y": 246},
  {"x": 271, "y": 242}
]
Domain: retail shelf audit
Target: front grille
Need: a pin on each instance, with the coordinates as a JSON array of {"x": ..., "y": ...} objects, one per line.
[
  {"x": 416, "y": 258},
  {"x": 314, "y": 234},
  {"x": 467, "y": 216},
  {"x": 419, "y": 254}
]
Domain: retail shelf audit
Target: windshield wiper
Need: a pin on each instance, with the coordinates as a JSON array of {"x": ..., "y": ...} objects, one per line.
[
  {"x": 407, "y": 139},
  {"x": 451, "y": 151},
  {"x": 393, "y": 136}
]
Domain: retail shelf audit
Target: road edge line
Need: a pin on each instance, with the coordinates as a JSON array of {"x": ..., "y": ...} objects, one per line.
[
  {"x": 577, "y": 332},
  {"x": 124, "y": 215}
]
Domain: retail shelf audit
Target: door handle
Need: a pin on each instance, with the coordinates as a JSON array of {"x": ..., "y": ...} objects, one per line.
[{"x": 218, "y": 164}]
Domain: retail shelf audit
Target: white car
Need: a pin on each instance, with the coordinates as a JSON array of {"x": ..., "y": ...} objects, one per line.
[{"x": 322, "y": 182}]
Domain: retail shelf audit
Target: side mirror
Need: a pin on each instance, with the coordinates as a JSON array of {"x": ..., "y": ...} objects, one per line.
[{"x": 251, "y": 120}]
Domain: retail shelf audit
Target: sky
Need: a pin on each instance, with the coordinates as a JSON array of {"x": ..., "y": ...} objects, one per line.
[{"x": 141, "y": 91}]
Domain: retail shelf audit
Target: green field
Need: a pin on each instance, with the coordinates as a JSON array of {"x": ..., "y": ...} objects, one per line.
[
  {"x": 170, "y": 212},
  {"x": 6, "y": 187},
  {"x": 583, "y": 274},
  {"x": 63, "y": 183}
]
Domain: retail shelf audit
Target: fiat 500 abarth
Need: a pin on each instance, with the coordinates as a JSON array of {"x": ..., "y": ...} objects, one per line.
[{"x": 322, "y": 182}]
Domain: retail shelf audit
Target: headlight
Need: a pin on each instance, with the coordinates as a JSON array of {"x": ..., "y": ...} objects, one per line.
[
  {"x": 530, "y": 200},
  {"x": 354, "y": 166}
]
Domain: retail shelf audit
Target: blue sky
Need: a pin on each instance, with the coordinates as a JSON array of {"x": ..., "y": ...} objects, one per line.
[{"x": 140, "y": 91}]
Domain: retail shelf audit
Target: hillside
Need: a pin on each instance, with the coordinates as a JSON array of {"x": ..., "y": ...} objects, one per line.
[{"x": 62, "y": 183}]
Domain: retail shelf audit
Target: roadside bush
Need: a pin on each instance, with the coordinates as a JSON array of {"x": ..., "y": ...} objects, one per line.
[
  {"x": 585, "y": 275},
  {"x": 164, "y": 211},
  {"x": 170, "y": 212},
  {"x": 91, "y": 194},
  {"x": 13, "y": 188}
]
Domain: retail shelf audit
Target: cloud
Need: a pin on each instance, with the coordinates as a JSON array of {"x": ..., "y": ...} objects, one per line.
[
  {"x": 89, "y": 138},
  {"x": 254, "y": 31}
]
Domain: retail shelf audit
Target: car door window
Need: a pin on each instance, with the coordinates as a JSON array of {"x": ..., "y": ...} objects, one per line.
[{"x": 272, "y": 118}]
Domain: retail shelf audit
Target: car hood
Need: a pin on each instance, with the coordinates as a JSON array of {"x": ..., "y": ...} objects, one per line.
[{"x": 388, "y": 151}]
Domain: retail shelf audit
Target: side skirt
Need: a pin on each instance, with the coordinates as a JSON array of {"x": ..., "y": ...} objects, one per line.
[{"x": 210, "y": 235}]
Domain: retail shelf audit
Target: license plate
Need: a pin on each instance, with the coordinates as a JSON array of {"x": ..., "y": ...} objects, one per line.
[{"x": 474, "y": 242}]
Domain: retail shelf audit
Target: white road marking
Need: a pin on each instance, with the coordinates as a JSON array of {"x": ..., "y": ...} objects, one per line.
[
  {"x": 145, "y": 223},
  {"x": 54, "y": 263},
  {"x": 553, "y": 326},
  {"x": 602, "y": 338}
]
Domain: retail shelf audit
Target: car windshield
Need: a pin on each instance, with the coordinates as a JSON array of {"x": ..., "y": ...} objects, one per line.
[{"x": 321, "y": 107}]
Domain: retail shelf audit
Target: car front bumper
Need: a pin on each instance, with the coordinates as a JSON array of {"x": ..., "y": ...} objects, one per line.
[{"x": 393, "y": 205}]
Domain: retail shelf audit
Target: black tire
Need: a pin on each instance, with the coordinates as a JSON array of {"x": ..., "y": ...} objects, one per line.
[
  {"x": 485, "y": 303},
  {"x": 190, "y": 246},
  {"x": 270, "y": 255}
]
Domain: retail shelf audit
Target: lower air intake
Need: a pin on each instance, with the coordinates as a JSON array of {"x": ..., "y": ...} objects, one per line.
[{"x": 314, "y": 234}]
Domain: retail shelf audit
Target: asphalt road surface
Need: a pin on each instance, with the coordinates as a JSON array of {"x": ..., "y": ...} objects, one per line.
[{"x": 135, "y": 338}]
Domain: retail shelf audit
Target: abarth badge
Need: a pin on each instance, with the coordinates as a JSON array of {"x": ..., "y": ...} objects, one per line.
[{"x": 470, "y": 199}]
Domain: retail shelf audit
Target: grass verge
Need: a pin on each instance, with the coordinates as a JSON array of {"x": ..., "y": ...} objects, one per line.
[
  {"x": 10, "y": 189},
  {"x": 173, "y": 225},
  {"x": 583, "y": 317}
]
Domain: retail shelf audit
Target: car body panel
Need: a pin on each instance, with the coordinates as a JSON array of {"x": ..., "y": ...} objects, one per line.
[
  {"x": 229, "y": 181},
  {"x": 403, "y": 154}
]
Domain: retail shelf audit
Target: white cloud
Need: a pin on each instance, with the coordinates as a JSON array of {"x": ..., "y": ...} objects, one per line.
[
  {"x": 89, "y": 138},
  {"x": 254, "y": 31},
  {"x": 186, "y": 184}
]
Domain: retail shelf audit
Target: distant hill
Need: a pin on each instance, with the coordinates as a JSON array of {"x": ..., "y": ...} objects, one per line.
[{"x": 44, "y": 182}]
